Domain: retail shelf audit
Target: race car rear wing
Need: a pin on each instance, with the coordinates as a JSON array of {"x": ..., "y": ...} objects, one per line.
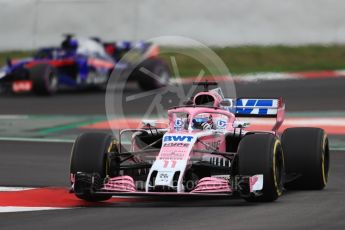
[{"x": 260, "y": 108}]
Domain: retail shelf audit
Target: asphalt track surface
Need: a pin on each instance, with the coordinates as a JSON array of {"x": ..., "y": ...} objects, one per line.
[
  {"x": 46, "y": 164},
  {"x": 299, "y": 95}
]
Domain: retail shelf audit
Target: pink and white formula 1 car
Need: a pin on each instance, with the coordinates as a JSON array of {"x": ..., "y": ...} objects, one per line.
[{"x": 204, "y": 151}]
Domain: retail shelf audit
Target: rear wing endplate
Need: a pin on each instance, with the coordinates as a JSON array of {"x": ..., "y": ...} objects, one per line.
[{"x": 260, "y": 108}]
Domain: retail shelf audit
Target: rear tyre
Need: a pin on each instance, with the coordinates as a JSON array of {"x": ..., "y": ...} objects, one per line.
[
  {"x": 153, "y": 73},
  {"x": 44, "y": 79},
  {"x": 306, "y": 153},
  {"x": 262, "y": 154},
  {"x": 89, "y": 155}
]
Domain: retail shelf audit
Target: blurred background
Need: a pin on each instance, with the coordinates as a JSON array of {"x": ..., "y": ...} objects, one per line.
[
  {"x": 26, "y": 24},
  {"x": 250, "y": 36}
]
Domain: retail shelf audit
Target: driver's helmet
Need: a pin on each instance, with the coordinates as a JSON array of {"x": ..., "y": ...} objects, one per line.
[
  {"x": 74, "y": 44},
  {"x": 124, "y": 45},
  {"x": 202, "y": 122},
  {"x": 69, "y": 44}
]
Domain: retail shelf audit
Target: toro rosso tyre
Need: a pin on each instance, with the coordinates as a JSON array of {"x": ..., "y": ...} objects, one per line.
[
  {"x": 153, "y": 73},
  {"x": 262, "y": 154},
  {"x": 306, "y": 153},
  {"x": 89, "y": 157},
  {"x": 44, "y": 79}
]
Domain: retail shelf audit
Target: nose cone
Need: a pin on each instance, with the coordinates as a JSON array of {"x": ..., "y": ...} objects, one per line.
[{"x": 166, "y": 181}]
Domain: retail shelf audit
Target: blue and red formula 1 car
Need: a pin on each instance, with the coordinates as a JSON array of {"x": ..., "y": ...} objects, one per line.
[
  {"x": 205, "y": 150},
  {"x": 80, "y": 63}
]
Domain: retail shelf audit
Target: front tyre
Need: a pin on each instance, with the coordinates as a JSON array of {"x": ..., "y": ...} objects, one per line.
[
  {"x": 89, "y": 155},
  {"x": 262, "y": 154}
]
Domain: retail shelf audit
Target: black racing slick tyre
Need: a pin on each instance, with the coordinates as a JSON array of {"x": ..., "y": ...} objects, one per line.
[
  {"x": 89, "y": 156},
  {"x": 262, "y": 154},
  {"x": 307, "y": 159},
  {"x": 44, "y": 79},
  {"x": 153, "y": 73}
]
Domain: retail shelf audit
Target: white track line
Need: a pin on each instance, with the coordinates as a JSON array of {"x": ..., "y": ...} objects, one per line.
[
  {"x": 10, "y": 116},
  {"x": 265, "y": 77},
  {"x": 14, "y": 189},
  {"x": 268, "y": 76},
  {"x": 5, "y": 209},
  {"x": 28, "y": 139}
]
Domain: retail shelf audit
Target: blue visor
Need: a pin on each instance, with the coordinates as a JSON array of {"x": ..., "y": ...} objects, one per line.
[{"x": 200, "y": 120}]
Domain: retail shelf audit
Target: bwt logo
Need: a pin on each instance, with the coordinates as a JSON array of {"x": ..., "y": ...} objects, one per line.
[{"x": 178, "y": 138}]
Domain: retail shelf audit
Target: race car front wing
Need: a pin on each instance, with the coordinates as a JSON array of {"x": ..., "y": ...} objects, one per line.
[{"x": 239, "y": 185}]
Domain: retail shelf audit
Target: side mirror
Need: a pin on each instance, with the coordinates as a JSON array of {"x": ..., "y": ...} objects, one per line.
[
  {"x": 156, "y": 124},
  {"x": 240, "y": 124},
  {"x": 151, "y": 123},
  {"x": 226, "y": 103}
]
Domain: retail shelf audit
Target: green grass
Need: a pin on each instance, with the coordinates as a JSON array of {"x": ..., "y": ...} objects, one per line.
[
  {"x": 253, "y": 59},
  {"x": 13, "y": 55},
  {"x": 250, "y": 59}
]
